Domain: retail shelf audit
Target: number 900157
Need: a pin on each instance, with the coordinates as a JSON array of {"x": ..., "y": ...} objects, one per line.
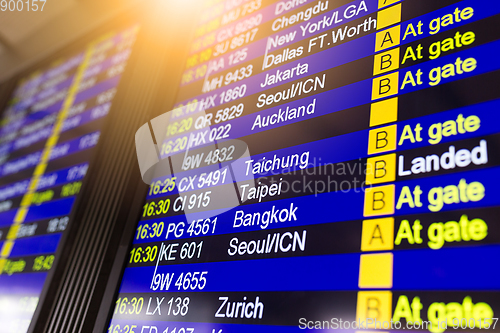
[{"x": 20, "y": 5}]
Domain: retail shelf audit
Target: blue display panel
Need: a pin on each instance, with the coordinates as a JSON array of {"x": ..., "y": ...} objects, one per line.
[
  {"x": 48, "y": 133},
  {"x": 369, "y": 199}
]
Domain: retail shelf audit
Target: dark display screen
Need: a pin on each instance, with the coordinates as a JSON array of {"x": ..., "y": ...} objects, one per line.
[
  {"x": 47, "y": 137},
  {"x": 369, "y": 198}
]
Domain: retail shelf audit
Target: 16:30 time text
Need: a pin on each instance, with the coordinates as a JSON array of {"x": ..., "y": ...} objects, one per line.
[{"x": 162, "y": 207}]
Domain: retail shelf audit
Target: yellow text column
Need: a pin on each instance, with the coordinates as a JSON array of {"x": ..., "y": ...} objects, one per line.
[
  {"x": 374, "y": 307},
  {"x": 44, "y": 159}
]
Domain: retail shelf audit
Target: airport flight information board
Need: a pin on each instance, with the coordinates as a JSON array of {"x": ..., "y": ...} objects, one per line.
[
  {"x": 369, "y": 198},
  {"x": 47, "y": 137}
]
